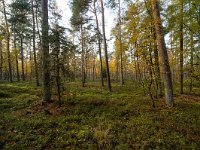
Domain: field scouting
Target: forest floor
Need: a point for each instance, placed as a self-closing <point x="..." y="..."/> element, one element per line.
<point x="92" y="118"/>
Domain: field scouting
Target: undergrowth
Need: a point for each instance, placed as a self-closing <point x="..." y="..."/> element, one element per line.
<point x="92" y="118"/>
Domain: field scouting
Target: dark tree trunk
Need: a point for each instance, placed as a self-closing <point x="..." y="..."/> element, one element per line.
<point x="191" y="60"/>
<point x="93" y="69"/>
<point x="105" y="48"/>
<point x="163" y="54"/>
<point x="31" y="67"/>
<point x="16" y="57"/>
<point x="1" y="60"/>
<point x="181" y="47"/>
<point x="45" y="52"/>
<point x="58" y="66"/>
<point x="22" y="57"/>
<point x="8" y="43"/>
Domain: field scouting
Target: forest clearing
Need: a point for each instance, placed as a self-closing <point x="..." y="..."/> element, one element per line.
<point x="99" y="74"/>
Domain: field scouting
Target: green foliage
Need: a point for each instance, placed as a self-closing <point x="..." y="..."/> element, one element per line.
<point x="79" y="9"/>
<point x="20" y="9"/>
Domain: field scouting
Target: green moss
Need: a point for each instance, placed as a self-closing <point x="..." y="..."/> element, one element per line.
<point x="92" y="118"/>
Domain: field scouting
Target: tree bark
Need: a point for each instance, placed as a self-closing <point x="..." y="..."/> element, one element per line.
<point x="163" y="54"/>
<point x="191" y="60"/>
<point x="181" y="47"/>
<point x="82" y="58"/>
<point x="1" y="60"/>
<point x="58" y="66"/>
<point x="37" y="24"/>
<point x="34" y="49"/>
<point x="105" y="48"/>
<point x="157" y="68"/>
<point x="45" y="52"/>
<point x="191" y="53"/>
<point x="16" y="57"/>
<point x="93" y="68"/>
<point x="22" y="57"/>
<point x="8" y="43"/>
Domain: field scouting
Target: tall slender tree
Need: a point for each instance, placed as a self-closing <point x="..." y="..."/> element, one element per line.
<point x="22" y="56"/>
<point x="45" y="52"/>
<point x="165" y="68"/>
<point x="78" y="19"/>
<point x="105" y="47"/>
<point x="8" y="42"/>
<point x="181" y="46"/>
<point x="16" y="55"/>
<point x="99" y="42"/>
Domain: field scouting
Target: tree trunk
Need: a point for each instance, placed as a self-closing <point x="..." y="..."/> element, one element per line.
<point x="58" y="66"/>
<point x="163" y="54"/>
<point x="16" y="57"/>
<point x="1" y="60"/>
<point x="30" y="63"/>
<point x="93" y="68"/>
<point x="191" y="60"/>
<point x="82" y="59"/>
<point x="99" y="44"/>
<point x="26" y="67"/>
<point x="34" y="50"/>
<point x="181" y="47"/>
<point x="22" y="57"/>
<point x="157" y="68"/>
<point x="136" y="71"/>
<point x="8" y="43"/>
<point x="45" y="52"/>
<point x="120" y="43"/>
<point x="105" y="48"/>
<point x="37" y="24"/>
<point x="117" y="68"/>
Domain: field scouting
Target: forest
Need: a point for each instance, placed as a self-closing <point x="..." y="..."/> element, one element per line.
<point x="99" y="74"/>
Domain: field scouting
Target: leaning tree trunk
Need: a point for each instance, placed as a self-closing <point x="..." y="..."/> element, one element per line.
<point x="45" y="52"/>
<point x="8" y="42"/>
<point x="34" y="50"/>
<point x="163" y="54"/>
<point x="157" y="68"/>
<point x="105" y="48"/>
<point x="99" y="44"/>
